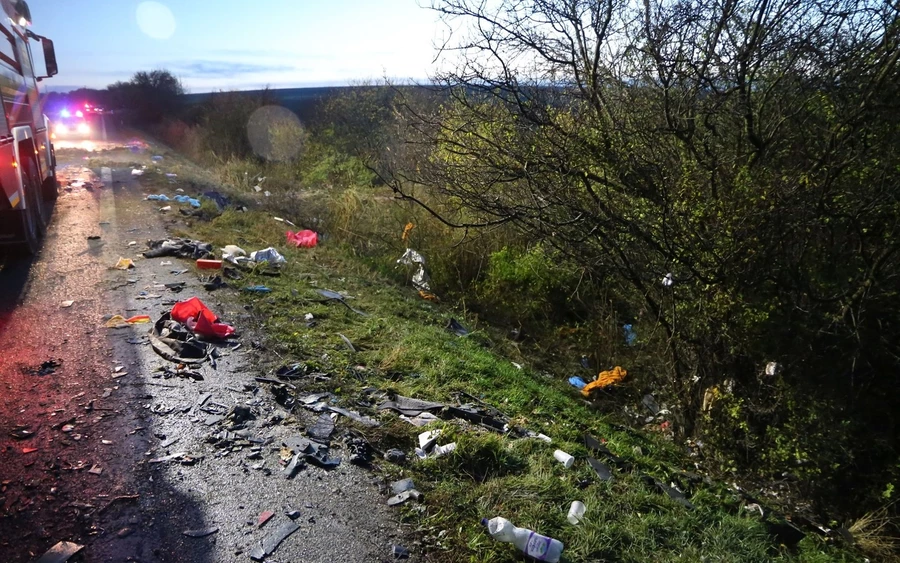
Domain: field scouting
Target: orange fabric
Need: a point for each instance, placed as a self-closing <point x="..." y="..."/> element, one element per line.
<point x="605" y="379"/>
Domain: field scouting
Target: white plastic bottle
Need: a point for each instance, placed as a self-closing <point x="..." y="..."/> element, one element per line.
<point x="530" y="543"/>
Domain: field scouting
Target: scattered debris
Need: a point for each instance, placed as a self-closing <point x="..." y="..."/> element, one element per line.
<point x="577" y="382"/>
<point x="347" y="342"/>
<point x="269" y="255"/>
<point x="21" y="433"/>
<point x="600" y="469"/>
<point x="95" y="470"/>
<point x="355" y="416"/>
<point x="198" y="318"/>
<point x="179" y="248"/>
<point x="605" y="379"/>
<point x="650" y="402"/>
<point x="456" y="328"/>
<point x="567" y="460"/>
<point x="773" y="369"/>
<point x="400" y="498"/>
<point x="400" y="552"/>
<point x="630" y="334"/>
<point x="335" y="296"/>
<point x="47" y="367"/>
<point x="118" y="321"/>
<point x="172" y="341"/>
<point x="264" y="517"/>
<point x="201" y="533"/>
<point x="60" y="553"/>
<point x="420" y="279"/>
<point x="273" y="540"/>
<point x="124" y="264"/>
<point x="207" y="264"/>
<point x="395" y="456"/>
<point x="302" y="239"/>
<point x="322" y="429"/>
<point x="258" y="289"/>
<point x="576" y="512"/>
<point x="66" y="304"/>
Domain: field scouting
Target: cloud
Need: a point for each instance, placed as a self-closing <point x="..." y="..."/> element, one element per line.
<point x="224" y="69"/>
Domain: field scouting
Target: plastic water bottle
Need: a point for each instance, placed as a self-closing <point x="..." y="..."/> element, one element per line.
<point x="530" y="543"/>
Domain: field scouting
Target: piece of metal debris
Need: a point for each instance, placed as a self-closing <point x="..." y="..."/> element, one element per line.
<point x="60" y="553"/>
<point x="271" y="542"/>
<point x="202" y="533"/>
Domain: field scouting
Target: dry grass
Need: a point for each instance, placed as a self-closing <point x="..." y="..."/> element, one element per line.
<point x="876" y="535"/>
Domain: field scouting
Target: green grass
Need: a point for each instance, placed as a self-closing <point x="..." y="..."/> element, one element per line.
<point x="403" y="347"/>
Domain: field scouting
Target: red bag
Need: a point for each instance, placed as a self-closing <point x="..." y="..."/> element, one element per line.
<point x="197" y="317"/>
<point x="302" y="239"/>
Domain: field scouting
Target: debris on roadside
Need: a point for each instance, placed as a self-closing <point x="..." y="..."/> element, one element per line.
<point x="158" y="197"/>
<point x="66" y="304"/>
<point x="335" y="296"/>
<point x="174" y="342"/>
<point x="269" y="255"/>
<point x="201" y="533"/>
<point x="399" y="552"/>
<point x="213" y="283"/>
<point x="482" y="414"/>
<point x="271" y="542"/>
<point x="179" y="248"/>
<point x="124" y="264"/>
<point x="395" y="456"/>
<point x="60" y="553"/>
<point x="566" y="459"/>
<point x="118" y="321"/>
<point x="199" y="319"/>
<point x="258" y="289"/>
<point x="207" y="264"/>
<point x="403" y="490"/>
<point x="420" y="279"/>
<point x="605" y="379"/>
<point x="302" y="239"/>
<point x="264" y="517"/>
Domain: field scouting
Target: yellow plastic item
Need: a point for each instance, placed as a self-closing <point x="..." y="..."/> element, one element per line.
<point x="605" y="379"/>
<point x="124" y="264"/>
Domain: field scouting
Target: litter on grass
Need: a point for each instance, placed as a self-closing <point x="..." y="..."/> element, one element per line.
<point x="269" y="255"/>
<point x="302" y="239"/>
<point x="605" y="379"/>
<point x="420" y="279"/>
<point x="180" y="248"/>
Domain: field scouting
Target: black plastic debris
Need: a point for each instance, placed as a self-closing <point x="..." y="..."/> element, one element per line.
<point x="456" y="328"/>
<point x="175" y="287"/>
<point x="480" y="414"/>
<point x="322" y="429"/>
<point x="674" y="494"/>
<point x="174" y="342"/>
<point x="355" y="416"/>
<point x="201" y="533"/>
<point x="46" y="368"/>
<point x="335" y="296"/>
<point x="400" y="552"/>
<point x="21" y="433"/>
<point x="273" y="540"/>
<point x="601" y="470"/>
<point x="650" y="402"/>
<point x="395" y="456"/>
<point x="294" y="466"/>
<point x="180" y="248"/>
<point x="60" y="553"/>
<point x="291" y="371"/>
<point x="360" y="450"/>
<point x="221" y="201"/>
<point x="785" y="532"/>
<point x="586" y="362"/>
<point x="410" y="406"/>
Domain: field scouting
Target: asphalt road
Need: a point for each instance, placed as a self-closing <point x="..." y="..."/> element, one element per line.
<point x="85" y="411"/>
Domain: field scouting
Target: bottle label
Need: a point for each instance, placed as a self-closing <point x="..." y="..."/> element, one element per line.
<point x="538" y="546"/>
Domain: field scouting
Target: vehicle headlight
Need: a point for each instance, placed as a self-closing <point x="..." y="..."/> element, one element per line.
<point x="83" y="128"/>
<point x="61" y="129"/>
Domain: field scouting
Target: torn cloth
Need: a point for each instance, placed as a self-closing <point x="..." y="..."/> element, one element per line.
<point x="605" y="379"/>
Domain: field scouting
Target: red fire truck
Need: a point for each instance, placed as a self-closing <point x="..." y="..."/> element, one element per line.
<point x="27" y="160"/>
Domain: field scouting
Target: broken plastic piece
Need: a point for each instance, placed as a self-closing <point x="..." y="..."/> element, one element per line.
<point x="258" y="289"/>
<point x="456" y="328"/>
<point x="60" y="553"/>
<point x="202" y="533"/>
<point x="577" y="382"/>
<point x="273" y="540"/>
<point x="206" y="264"/>
<point x="400" y="552"/>
<point x="600" y="469"/>
<point x="302" y="239"/>
<point x="200" y="319"/>
<point x="264" y="517"/>
<point x="322" y="429"/>
<point x="124" y="264"/>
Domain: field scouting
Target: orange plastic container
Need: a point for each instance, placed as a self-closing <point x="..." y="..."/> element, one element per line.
<point x="209" y="264"/>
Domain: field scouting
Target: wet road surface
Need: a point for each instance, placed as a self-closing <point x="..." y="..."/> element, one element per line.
<point x="86" y="413"/>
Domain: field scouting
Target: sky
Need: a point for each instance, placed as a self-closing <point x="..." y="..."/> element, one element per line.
<point x="238" y="44"/>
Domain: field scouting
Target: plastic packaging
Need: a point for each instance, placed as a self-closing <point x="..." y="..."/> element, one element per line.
<point x="576" y="512"/>
<point x="205" y="264"/>
<point x="530" y="543"/>
<point x="302" y="239"/>
<point x="564" y="458"/>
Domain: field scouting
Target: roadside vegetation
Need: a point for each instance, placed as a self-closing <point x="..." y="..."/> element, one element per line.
<point x="720" y="177"/>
